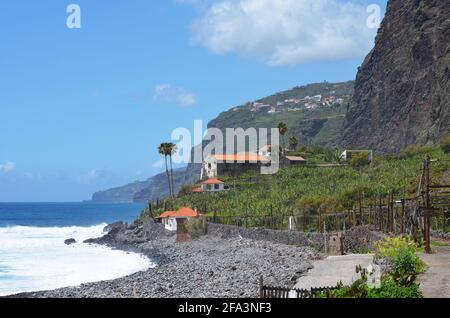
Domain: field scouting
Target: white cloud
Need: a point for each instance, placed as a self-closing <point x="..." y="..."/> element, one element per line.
<point x="285" y="32"/>
<point x="7" y="167"/>
<point x="170" y="93"/>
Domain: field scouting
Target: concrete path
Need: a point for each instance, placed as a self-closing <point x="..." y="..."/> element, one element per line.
<point x="330" y="271"/>
<point x="435" y="282"/>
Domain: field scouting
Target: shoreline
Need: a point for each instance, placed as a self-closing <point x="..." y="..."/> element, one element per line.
<point x="217" y="265"/>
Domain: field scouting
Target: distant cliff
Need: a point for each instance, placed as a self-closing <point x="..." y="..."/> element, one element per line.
<point x="402" y="90"/>
<point x="154" y="188"/>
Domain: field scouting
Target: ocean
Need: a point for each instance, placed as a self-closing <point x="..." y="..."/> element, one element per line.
<point x="33" y="255"/>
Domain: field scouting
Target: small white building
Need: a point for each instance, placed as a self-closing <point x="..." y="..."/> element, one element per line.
<point x="213" y="185"/>
<point x="171" y="219"/>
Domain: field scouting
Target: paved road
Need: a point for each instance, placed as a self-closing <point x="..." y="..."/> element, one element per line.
<point x="332" y="270"/>
<point x="435" y="282"/>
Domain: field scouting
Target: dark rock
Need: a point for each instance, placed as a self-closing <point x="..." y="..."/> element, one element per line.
<point x="70" y="241"/>
<point x="402" y="90"/>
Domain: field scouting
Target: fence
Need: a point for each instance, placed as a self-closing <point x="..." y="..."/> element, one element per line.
<point x="388" y="216"/>
<point x="280" y="292"/>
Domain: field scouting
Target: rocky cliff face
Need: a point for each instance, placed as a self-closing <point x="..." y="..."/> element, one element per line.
<point x="402" y="90"/>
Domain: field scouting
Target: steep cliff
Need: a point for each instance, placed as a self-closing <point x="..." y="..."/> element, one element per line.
<point x="402" y="90"/>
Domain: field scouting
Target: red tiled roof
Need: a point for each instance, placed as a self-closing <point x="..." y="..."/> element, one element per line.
<point x="213" y="181"/>
<point x="183" y="212"/>
<point x="167" y="214"/>
<point x="247" y="156"/>
<point x="197" y="190"/>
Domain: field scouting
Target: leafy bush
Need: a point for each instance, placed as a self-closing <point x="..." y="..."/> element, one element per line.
<point x="405" y="268"/>
<point x="390" y="247"/>
<point x="401" y="254"/>
<point x="359" y="160"/>
<point x="390" y="289"/>
<point x="195" y="227"/>
<point x="445" y="144"/>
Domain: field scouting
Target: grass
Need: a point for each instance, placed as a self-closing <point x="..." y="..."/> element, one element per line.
<point x="438" y="244"/>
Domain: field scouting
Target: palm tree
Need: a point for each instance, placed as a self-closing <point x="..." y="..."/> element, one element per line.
<point x="283" y="130"/>
<point x="171" y="150"/>
<point x="162" y="150"/>
<point x="293" y="143"/>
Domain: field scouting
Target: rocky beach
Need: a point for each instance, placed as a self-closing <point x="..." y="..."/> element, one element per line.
<point x="227" y="262"/>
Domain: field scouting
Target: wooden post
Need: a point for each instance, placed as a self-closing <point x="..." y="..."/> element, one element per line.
<point x="403" y="217"/>
<point x="319" y="223"/>
<point x="381" y="214"/>
<point x="261" y="287"/>
<point x="427" y="204"/>
<point x="444" y="227"/>
<point x="360" y="212"/>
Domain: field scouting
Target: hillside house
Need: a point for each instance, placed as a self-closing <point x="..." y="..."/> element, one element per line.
<point x="215" y="165"/>
<point x="213" y="185"/>
<point x="172" y="219"/>
<point x="347" y="154"/>
<point x="289" y="161"/>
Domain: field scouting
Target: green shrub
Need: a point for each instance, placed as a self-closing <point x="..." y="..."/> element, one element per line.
<point x="390" y="289"/>
<point x="359" y="160"/>
<point x="445" y="144"/>
<point x="405" y="268"/>
<point x="401" y="254"/>
<point x="390" y="247"/>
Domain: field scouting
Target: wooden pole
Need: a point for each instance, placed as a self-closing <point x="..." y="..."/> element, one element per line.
<point x="427" y="204"/>
<point x="403" y="217"/>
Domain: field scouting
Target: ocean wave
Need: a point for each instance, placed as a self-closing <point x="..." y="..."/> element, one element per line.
<point x="36" y="258"/>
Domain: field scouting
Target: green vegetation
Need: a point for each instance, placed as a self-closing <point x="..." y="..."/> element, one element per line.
<point x="319" y="127"/>
<point x="399" y="282"/>
<point x="306" y="189"/>
<point x="445" y="144"/>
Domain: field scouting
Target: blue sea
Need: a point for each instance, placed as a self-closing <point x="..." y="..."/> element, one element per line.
<point x="33" y="255"/>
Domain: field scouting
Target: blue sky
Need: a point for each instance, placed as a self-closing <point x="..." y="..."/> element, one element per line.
<point x="84" y="109"/>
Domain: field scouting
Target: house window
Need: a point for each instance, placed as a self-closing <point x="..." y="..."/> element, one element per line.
<point x="210" y="187"/>
<point x="216" y="186"/>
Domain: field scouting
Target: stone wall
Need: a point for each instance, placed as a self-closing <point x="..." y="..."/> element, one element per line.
<point x="315" y="240"/>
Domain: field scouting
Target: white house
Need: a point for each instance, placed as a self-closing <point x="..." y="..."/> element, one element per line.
<point x="171" y="219"/>
<point x="218" y="164"/>
<point x="213" y="185"/>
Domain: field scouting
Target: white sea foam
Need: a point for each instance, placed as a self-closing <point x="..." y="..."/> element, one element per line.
<point x="36" y="258"/>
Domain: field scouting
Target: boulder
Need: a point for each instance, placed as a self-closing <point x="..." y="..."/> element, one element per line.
<point x="70" y="241"/>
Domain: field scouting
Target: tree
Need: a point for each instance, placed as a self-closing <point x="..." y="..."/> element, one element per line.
<point x="293" y="143"/>
<point x="171" y="150"/>
<point x="163" y="150"/>
<point x="282" y="128"/>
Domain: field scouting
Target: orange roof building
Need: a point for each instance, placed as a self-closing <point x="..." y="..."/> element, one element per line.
<point x="218" y="164"/>
<point x="170" y="219"/>
<point x="212" y="181"/>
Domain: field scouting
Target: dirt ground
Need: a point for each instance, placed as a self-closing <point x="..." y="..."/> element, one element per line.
<point x="435" y="282"/>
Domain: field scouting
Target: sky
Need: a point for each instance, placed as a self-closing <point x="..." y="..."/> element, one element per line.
<point x="84" y="106"/>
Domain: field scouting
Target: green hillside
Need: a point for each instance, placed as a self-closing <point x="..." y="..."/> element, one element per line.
<point x="312" y="120"/>
<point x="307" y="189"/>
